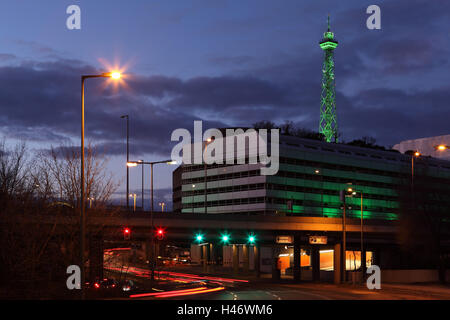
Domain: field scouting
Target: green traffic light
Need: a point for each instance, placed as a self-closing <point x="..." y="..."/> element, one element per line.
<point x="225" y="238"/>
<point x="199" y="237"/>
<point x="251" y="239"/>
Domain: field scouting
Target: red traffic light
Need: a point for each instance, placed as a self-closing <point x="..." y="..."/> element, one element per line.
<point x="126" y="233"/>
<point x="160" y="233"/>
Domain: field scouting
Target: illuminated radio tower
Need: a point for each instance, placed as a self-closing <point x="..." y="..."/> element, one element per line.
<point x="328" y="118"/>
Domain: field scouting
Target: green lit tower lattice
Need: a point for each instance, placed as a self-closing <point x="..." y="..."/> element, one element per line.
<point x="328" y="118"/>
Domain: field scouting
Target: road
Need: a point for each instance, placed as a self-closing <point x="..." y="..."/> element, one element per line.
<point x="318" y="291"/>
<point x="201" y="286"/>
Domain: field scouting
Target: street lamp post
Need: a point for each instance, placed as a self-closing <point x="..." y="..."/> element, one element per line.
<point x="415" y="155"/>
<point x="134" y="201"/>
<point x="141" y="162"/>
<point x="162" y="204"/>
<point x="318" y="172"/>
<point x="192" y="202"/>
<point x="209" y="140"/>
<point x="363" y="256"/>
<point x="344" y="243"/>
<point x="128" y="169"/>
<point x="114" y="75"/>
<point x="142" y="185"/>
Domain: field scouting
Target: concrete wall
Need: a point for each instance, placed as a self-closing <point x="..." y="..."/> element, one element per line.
<point x="196" y="254"/>
<point x="411" y="276"/>
<point x="426" y="146"/>
<point x="266" y="259"/>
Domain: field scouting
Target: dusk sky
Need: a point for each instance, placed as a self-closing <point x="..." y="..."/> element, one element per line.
<point x="228" y="63"/>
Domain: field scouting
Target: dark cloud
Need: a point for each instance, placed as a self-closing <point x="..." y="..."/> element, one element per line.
<point x="7" y="57"/>
<point x="232" y="61"/>
<point x="41" y="101"/>
<point x="390" y="83"/>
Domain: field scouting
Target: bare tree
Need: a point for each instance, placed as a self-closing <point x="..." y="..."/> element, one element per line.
<point x="12" y="169"/>
<point x="59" y="171"/>
<point x="39" y="210"/>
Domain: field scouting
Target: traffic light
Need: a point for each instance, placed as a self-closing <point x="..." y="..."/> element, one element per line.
<point x="126" y="233"/>
<point x="199" y="237"/>
<point x="160" y="233"/>
<point x="251" y="239"/>
<point x="225" y="238"/>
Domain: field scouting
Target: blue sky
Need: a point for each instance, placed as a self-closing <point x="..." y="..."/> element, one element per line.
<point x="229" y="63"/>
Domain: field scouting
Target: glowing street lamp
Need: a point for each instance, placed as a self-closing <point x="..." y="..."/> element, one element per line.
<point x="113" y="75"/>
<point x="442" y="147"/>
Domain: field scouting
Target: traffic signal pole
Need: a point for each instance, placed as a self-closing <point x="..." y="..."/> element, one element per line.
<point x="343" y="255"/>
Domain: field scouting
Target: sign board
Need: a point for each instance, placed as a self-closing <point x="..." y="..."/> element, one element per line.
<point x="284" y="239"/>
<point x="318" y="239"/>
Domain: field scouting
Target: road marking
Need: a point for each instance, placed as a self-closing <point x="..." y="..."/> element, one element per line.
<point x="235" y="297"/>
<point x="305" y="293"/>
<point x="274" y="295"/>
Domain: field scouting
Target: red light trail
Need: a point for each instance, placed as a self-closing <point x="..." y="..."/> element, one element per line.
<point x="176" y="293"/>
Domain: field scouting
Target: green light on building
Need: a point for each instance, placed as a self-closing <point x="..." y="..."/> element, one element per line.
<point x="328" y="118"/>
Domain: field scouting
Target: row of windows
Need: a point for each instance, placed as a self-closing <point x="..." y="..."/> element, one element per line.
<point x="281" y="201"/>
<point x="281" y="187"/>
<point x="322" y="178"/>
<point x="229" y="202"/>
<point x="302" y="162"/>
<point x="244" y="187"/>
<point x="316" y="165"/>
<point x="234" y="175"/>
<point x="287" y="174"/>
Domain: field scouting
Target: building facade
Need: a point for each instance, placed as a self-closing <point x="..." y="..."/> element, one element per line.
<point x="427" y="146"/>
<point x="310" y="177"/>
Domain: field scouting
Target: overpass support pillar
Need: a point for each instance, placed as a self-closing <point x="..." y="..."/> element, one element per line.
<point x="205" y="257"/>
<point x="148" y="251"/>
<point x="276" y="272"/>
<point x="235" y="259"/>
<point x="337" y="263"/>
<point x="95" y="257"/>
<point x="246" y="255"/>
<point x="315" y="261"/>
<point x="363" y="265"/>
<point x="297" y="258"/>
<point x="211" y="257"/>
<point x="257" y="260"/>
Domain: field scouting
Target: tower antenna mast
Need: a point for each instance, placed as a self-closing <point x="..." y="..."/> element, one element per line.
<point x="328" y="117"/>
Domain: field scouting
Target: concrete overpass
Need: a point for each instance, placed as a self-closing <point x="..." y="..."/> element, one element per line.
<point x="181" y="228"/>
